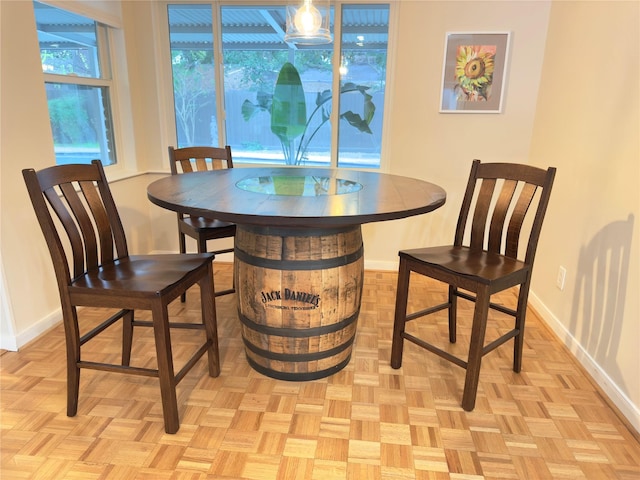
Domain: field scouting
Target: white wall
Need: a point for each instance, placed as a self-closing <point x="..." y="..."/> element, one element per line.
<point x="580" y="117"/>
<point x="25" y="141"/>
<point x="587" y="125"/>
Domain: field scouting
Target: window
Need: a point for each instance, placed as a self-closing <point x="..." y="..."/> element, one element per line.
<point x="77" y="74"/>
<point x="193" y="71"/>
<point x="254" y="56"/>
<point x="363" y="72"/>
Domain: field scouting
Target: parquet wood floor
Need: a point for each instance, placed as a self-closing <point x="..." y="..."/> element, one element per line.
<point x="366" y="422"/>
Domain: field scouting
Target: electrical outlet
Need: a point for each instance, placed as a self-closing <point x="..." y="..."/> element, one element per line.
<point x="562" y="275"/>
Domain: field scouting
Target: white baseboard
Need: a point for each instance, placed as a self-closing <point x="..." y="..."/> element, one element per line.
<point x="608" y="386"/>
<point x="37" y="329"/>
<point x="221" y="257"/>
<point x="9" y="342"/>
<point x="224" y="257"/>
<point x="368" y="264"/>
<point x="379" y="265"/>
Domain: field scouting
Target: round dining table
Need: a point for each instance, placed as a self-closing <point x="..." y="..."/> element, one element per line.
<point x="298" y="252"/>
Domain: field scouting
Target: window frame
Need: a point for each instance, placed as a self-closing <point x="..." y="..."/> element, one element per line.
<point x="111" y="51"/>
<point x="165" y="71"/>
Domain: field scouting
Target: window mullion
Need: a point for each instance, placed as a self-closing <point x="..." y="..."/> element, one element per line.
<point x="103" y="52"/>
<point x="218" y="66"/>
<point x="335" y="87"/>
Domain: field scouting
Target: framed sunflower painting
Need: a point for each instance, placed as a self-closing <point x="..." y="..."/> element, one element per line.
<point x="473" y="75"/>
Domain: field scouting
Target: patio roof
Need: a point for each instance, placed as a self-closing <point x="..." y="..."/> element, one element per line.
<point x="243" y="27"/>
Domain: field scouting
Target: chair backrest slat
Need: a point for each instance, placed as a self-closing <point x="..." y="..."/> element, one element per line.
<point x="74" y="238"/>
<point x="481" y="214"/>
<point x="101" y="219"/>
<point x="504" y="193"/>
<point x="81" y="216"/>
<point x="201" y="164"/>
<point x="517" y="219"/>
<point x="185" y="165"/>
<point x="500" y="214"/>
<point x="218" y="164"/>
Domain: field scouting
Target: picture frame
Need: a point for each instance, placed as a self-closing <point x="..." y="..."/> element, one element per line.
<point x="474" y="72"/>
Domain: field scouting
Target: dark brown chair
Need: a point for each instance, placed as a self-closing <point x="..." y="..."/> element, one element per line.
<point x="100" y="273"/>
<point x="198" y="159"/>
<point x="487" y="265"/>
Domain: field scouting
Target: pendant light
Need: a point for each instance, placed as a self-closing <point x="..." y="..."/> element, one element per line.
<point x="308" y="23"/>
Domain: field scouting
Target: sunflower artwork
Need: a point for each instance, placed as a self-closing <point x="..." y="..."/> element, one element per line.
<point x="474" y="72"/>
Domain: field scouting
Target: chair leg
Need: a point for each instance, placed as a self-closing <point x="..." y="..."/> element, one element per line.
<point x="202" y="245"/>
<point x="183" y="242"/>
<point x="72" y="335"/>
<point x="402" y="296"/>
<point x="521" y="313"/>
<point x="476" y="346"/>
<point x="127" y="337"/>
<point x="453" y="314"/>
<point x="165" y="367"/>
<point x="209" y="319"/>
<point x="183" y="249"/>
<point x="73" y="388"/>
<point x="227" y="291"/>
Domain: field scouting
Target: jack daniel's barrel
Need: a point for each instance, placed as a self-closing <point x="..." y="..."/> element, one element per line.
<point x="298" y="298"/>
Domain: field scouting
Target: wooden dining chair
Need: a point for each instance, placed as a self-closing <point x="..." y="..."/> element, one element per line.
<point x="198" y="159"/>
<point x="78" y="216"/>
<point x="482" y="261"/>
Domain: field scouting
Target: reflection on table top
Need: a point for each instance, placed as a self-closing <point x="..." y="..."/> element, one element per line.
<point x="298" y="186"/>
<point x="350" y="196"/>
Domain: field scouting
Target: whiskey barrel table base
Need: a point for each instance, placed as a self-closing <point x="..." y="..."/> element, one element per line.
<point x="299" y="294"/>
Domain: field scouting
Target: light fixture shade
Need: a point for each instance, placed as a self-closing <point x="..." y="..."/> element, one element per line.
<point x="308" y="22"/>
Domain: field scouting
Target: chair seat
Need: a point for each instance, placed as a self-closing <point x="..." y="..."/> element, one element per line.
<point x="202" y="223"/>
<point x="482" y="266"/>
<point x="140" y="275"/>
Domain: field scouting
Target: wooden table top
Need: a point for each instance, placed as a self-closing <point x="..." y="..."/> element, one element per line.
<point x="223" y="194"/>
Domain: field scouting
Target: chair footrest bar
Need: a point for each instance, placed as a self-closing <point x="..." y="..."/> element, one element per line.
<point x="427" y="311"/>
<point x="226" y="250"/>
<point x="224" y="292"/>
<point x="503" y="309"/>
<point x="102" y="327"/>
<point x="185" y="325"/>
<point x="495" y="306"/>
<point x="436" y="350"/>
<point x="107" y="367"/>
<point x="499" y="341"/>
<point x="192" y="361"/>
<point x="188" y="326"/>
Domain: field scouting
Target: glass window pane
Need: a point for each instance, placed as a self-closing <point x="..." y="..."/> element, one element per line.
<point x="72" y="46"/>
<point x="363" y="69"/>
<point x="81" y="123"/>
<point x="254" y="54"/>
<point x="192" y="64"/>
<point x="68" y="44"/>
